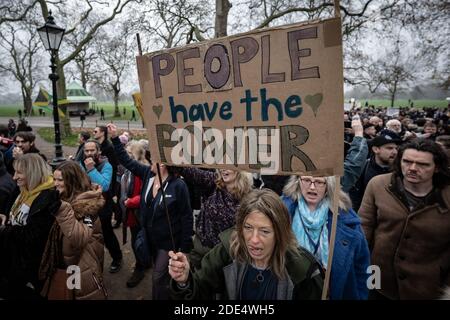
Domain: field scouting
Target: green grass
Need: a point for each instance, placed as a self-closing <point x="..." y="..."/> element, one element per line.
<point x="109" y="110"/>
<point x="11" y="110"/>
<point x="404" y="103"/>
<point x="48" y="134"/>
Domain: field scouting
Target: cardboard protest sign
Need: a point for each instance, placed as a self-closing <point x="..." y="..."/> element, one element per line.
<point x="268" y="100"/>
<point x="391" y="112"/>
<point x="348" y="106"/>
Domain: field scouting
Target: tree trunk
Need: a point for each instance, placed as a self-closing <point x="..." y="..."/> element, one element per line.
<point x="62" y="95"/>
<point x="116" y="101"/>
<point x="393" y="92"/>
<point x="83" y="79"/>
<point x="27" y="100"/>
<point x="222" y="9"/>
<point x="28" y="105"/>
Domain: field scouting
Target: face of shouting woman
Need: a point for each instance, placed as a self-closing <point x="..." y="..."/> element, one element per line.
<point x="228" y="176"/>
<point x="313" y="190"/>
<point x="259" y="237"/>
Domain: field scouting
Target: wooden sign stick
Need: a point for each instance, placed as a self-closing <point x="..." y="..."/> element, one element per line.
<point x="335" y="211"/>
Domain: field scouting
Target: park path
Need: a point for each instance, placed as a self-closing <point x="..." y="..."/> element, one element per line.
<point x="115" y="283"/>
<point x="48" y="149"/>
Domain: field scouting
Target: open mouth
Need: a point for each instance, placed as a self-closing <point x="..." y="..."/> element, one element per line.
<point x="225" y="175"/>
<point x="255" y="251"/>
<point x="312" y="194"/>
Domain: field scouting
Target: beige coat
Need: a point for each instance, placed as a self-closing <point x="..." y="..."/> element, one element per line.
<point x="83" y="243"/>
<point x="412" y="249"/>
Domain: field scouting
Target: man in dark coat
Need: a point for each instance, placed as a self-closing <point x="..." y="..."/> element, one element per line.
<point x="406" y="219"/>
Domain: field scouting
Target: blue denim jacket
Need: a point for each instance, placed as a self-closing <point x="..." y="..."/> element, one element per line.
<point x="351" y="255"/>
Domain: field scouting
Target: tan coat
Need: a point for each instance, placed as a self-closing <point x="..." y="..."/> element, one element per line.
<point x="83" y="244"/>
<point x="412" y="249"/>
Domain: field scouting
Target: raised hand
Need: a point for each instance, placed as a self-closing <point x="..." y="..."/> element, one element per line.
<point x="89" y="163"/>
<point x="357" y="126"/>
<point x="17" y="152"/>
<point x="112" y="130"/>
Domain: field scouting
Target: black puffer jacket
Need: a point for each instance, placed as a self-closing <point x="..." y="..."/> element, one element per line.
<point x="21" y="247"/>
<point x="8" y="190"/>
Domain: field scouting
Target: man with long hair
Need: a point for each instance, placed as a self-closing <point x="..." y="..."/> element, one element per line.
<point x="406" y="218"/>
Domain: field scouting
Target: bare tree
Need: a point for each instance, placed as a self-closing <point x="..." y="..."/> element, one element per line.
<point x="87" y="23"/>
<point x="20" y="44"/>
<point x="116" y="56"/>
<point x="85" y="61"/>
<point x="170" y="23"/>
<point x="395" y="72"/>
<point x="13" y="11"/>
<point x="83" y="66"/>
<point x="429" y="23"/>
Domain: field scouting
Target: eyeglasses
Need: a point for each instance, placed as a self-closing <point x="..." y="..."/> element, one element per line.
<point x="317" y="183"/>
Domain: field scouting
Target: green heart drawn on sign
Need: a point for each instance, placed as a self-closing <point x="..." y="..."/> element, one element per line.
<point x="157" y="109"/>
<point x="314" y="101"/>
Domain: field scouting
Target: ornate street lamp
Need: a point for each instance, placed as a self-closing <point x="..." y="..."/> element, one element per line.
<point x="51" y="35"/>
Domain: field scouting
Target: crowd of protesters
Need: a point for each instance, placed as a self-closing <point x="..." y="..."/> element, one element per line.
<point x="248" y="242"/>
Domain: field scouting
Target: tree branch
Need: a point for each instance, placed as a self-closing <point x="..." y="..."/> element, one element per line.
<point x="20" y="17"/>
<point x="274" y="16"/>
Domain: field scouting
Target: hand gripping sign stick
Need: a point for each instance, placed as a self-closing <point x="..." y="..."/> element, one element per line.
<point x="165" y="207"/>
<point x="335" y="208"/>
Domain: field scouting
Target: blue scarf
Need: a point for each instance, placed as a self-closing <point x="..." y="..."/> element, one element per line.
<point x="310" y="229"/>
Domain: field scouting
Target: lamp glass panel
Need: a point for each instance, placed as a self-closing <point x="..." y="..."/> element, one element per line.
<point x="43" y="34"/>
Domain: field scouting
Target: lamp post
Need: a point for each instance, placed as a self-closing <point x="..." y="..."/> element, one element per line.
<point x="51" y="35"/>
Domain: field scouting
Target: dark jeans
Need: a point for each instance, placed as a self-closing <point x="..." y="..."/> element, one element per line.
<point x="161" y="277"/>
<point x="134" y="231"/>
<point x="111" y="242"/>
<point x="118" y="213"/>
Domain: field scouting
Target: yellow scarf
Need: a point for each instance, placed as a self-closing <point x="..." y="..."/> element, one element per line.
<point x="27" y="197"/>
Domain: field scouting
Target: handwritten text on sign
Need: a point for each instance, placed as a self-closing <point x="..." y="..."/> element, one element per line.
<point x="269" y="100"/>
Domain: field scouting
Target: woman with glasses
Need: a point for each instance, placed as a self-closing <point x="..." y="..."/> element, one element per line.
<point x="309" y="200"/>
